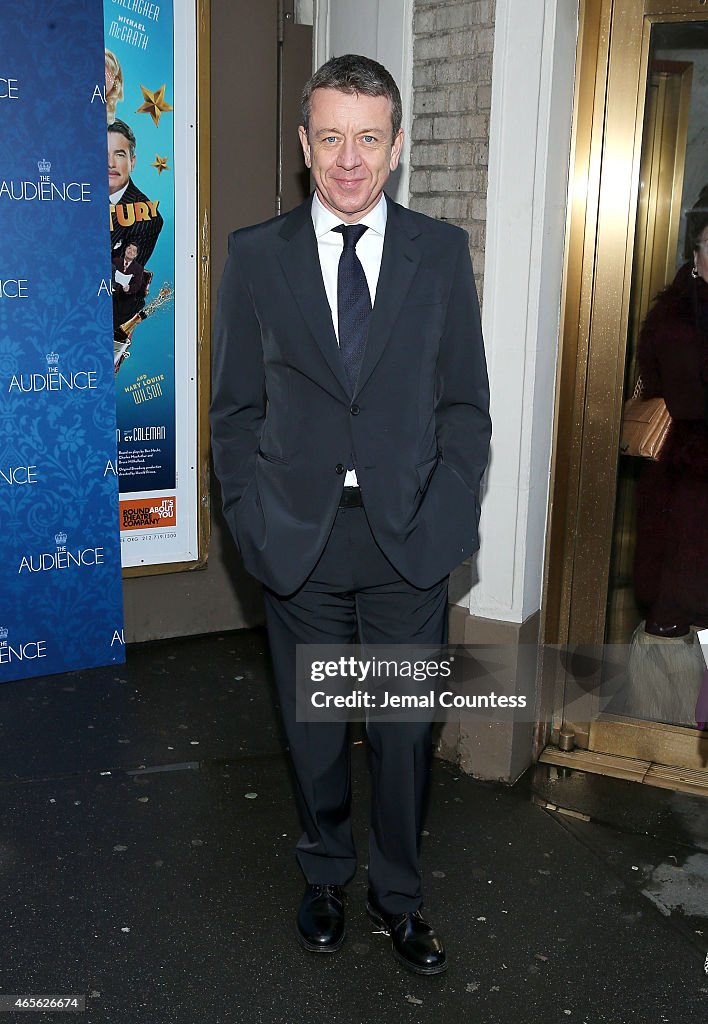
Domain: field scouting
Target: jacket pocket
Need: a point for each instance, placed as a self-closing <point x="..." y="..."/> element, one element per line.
<point x="269" y="457"/>
<point x="425" y="470"/>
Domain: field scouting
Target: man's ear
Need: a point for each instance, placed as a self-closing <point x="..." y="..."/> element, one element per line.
<point x="396" y="150"/>
<point x="305" y="143"/>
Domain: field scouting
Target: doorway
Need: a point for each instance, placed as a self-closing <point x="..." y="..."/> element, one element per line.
<point x="626" y="590"/>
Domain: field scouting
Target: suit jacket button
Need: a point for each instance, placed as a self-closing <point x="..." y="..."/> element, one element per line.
<point x="339" y="468"/>
<point x="354" y="410"/>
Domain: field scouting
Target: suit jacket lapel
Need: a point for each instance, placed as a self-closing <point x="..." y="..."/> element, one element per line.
<point x="301" y="265"/>
<point x="398" y="267"/>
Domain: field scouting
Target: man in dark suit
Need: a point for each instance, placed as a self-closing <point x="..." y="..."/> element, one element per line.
<point x="350" y="432"/>
<point x="128" y="295"/>
<point x="134" y="217"/>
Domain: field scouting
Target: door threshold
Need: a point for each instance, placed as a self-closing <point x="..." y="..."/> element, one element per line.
<point x="655" y="742"/>
<point x="649" y="773"/>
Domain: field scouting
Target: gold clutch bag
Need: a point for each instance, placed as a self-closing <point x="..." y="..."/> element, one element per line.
<point x="645" y="425"/>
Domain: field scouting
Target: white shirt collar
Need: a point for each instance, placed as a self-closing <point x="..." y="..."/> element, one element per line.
<point x="116" y="197"/>
<point x="324" y="220"/>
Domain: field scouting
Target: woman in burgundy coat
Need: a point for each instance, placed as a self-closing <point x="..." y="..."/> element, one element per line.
<point x="671" y="565"/>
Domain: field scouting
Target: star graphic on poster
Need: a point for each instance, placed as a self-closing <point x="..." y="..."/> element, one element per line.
<point x="154" y="104"/>
<point x="160" y="163"/>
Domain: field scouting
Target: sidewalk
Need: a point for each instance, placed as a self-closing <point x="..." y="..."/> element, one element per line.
<point x="146" y="857"/>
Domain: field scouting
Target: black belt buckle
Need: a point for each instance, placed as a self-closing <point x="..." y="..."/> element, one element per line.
<point x="351" y="498"/>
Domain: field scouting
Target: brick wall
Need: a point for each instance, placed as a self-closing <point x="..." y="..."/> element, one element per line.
<point x="452" y="75"/>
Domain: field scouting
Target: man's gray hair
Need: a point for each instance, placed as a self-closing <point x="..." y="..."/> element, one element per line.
<point x="354" y="74"/>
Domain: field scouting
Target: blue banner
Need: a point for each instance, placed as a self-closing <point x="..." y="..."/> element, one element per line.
<point x="60" y="575"/>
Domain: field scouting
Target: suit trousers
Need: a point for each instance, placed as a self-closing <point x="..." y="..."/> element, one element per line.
<point x="355" y="591"/>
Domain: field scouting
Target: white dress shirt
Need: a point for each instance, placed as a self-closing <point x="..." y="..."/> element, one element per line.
<point x="369" y="250"/>
<point x="116" y="197"/>
<point x="113" y="201"/>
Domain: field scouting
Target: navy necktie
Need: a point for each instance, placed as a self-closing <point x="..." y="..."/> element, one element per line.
<point x="353" y="303"/>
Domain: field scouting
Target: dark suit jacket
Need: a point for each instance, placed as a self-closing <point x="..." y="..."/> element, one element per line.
<point x="143" y="233"/>
<point x="284" y="422"/>
<point x="127" y="304"/>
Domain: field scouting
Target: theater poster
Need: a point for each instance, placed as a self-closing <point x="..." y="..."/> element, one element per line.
<point x="151" y="102"/>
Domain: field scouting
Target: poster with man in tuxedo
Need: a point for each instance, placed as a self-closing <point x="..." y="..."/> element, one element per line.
<point x="134" y="217"/>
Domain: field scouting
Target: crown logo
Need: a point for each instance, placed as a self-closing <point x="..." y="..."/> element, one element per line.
<point x="3" y="632"/>
<point x="52" y="358"/>
<point x="44" y="166"/>
<point x="60" y="538"/>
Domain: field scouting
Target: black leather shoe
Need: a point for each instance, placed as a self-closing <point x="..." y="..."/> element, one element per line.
<point x="320" y="919"/>
<point x="414" y="941"/>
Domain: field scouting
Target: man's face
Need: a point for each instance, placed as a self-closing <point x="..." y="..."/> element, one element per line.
<point x="350" y="150"/>
<point x="131" y="251"/>
<point x="120" y="162"/>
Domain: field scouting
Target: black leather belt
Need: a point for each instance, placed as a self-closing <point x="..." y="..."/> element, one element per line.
<point x="351" y="498"/>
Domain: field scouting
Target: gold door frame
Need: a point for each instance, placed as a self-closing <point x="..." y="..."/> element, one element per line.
<point x="612" y="61"/>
